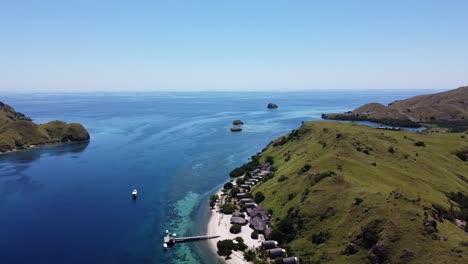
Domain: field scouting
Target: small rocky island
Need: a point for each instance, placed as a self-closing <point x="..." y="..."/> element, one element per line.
<point x="17" y="131"/>
<point x="237" y="125"/>
<point x="236" y="129"/>
<point x="272" y="106"/>
<point x="237" y="122"/>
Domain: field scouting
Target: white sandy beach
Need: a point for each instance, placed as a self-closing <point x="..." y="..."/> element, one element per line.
<point x="219" y="224"/>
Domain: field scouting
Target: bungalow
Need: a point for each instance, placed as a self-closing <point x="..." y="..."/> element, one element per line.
<point x="259" y="212"/>
<point x="246" y="200"/>
<point x="250" y="205"/>
<point x="246" y="186"/>
<point x="291" y="260"/>
<point x="269" y="244"/>
<point x="253" y="180"/>
<point x="241" y="195"/>
<point x="235" y="220"/>
<point x="256" y="171"/>
<point x="238" y="214"/>
<point x="258" y="224"/>
<point x="276" y="252"/>
<point x="258" y="177"/>
<point x="265" y="166"/>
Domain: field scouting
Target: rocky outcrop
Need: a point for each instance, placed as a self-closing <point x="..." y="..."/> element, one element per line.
<point x="236" y="129"/>
<point x="17" y="131"/>
<point x="272" y="106"/>
<point x="379" y="253"/>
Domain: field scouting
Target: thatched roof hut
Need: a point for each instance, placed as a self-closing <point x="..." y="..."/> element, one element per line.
<point x="265" y="166"/>
<point x="276" y="252"/>
<point x="250" y="205"/>
<point x="258" y="224"/>
<point x="245" y="186"/>
<point x="291" y="260"/>
<point x="246" y="200"/>
<point x="238" y="214"/>
<point x="238" y="220"/>
<point x="260" y="212"/>
<point x="269" y="244"/>
<point x="241" y="195"/>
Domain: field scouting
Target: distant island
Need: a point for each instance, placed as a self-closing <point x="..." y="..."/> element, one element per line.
<point x="447" y="109"/>
<point x="272" y="106"/>
<point x="17" y="131"/>
<point x="237" y="122"/>
<point x="236" y="129"/>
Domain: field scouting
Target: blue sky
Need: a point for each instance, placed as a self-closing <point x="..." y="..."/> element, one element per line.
<point x="232" y="45"/>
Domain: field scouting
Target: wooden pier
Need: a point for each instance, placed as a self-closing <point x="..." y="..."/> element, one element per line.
<point x="171" y="240"/>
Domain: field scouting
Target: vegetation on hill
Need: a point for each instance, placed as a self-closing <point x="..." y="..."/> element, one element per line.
<point x="446" y="109"/>
<point x="344" y="193"/>
<point x="17" y="131"/>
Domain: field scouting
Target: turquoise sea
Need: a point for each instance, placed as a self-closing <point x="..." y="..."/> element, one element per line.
<point x="72" y="203"/>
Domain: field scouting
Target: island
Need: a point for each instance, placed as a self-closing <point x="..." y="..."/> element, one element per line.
<point x="237" y="122"/>
<point x="447" y="109"/>
<point x="236" y="129"/>
<point x="18" y="132"/>
<point x="334" y="192"/>
<point x="272" y="106"/>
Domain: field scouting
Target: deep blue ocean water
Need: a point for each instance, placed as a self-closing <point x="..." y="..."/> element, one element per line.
<point x="72" y="203"/>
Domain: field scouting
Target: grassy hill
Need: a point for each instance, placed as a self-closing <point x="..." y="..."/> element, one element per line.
<point x="446" y="109"/>
<point x="344" y="193"/>
<point x="17" y="131"/>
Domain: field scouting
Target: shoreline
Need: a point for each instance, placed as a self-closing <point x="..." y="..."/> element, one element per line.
<point x="218" y="225"/>
<point x="43" y="146"/>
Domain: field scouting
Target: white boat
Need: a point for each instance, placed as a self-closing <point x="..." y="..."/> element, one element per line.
<point x="134" y="194"/>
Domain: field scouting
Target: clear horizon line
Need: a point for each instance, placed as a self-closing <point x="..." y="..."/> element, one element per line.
<point x="221" y="91"/>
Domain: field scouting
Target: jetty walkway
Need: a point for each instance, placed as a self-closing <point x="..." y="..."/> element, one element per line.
<point x="170" y="240"/>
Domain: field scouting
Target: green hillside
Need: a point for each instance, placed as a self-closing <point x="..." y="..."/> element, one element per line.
<point x="368" y="196"/>
<point x="17" y="131"/>
<point x="447" y="109"/>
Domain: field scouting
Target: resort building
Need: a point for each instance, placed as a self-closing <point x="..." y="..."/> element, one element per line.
<point x="235" y="220"/>
<point x="250" y="205"/>
<point x="269" y="244"/>
<point x="246" y="200"/>
<point x="291" y="260"/>
<point x="261" y="213"/>
<point x="276" y="252"/>
<point x="258" y="224"/>
<point x="242" y="195"/>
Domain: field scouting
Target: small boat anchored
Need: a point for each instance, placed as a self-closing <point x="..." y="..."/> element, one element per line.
<point x="134" y="194"/>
